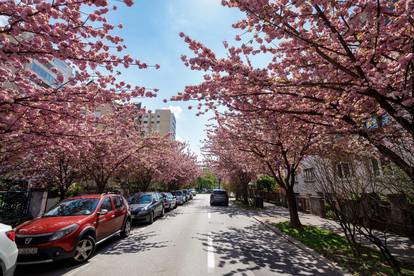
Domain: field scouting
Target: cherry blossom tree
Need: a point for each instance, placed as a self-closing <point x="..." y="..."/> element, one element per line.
<point x="180" y="168"/>
<point x="279" y="143"/>
<point x="161" y="161"/>
<point x="230" y="161"/>
<point x="54" y="165"/>
<point x="45" y="34"/>
<point x="342" y="65"/>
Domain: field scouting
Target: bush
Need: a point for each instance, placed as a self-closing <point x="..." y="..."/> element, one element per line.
<point x="75" y="189"/>
<point x="266" y="183"/>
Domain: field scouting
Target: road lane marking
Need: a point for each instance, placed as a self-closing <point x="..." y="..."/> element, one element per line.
<point x="209" y="215"/>
<point x="210" y="254"/>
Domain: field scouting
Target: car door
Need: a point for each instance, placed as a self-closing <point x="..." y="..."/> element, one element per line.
<point x="120" y="211"/>
<point x="105" y="224"/>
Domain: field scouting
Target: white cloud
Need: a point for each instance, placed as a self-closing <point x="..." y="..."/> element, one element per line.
<point x="177" y="110"/>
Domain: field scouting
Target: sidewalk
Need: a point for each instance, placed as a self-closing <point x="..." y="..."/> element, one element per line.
<point x="401" y="247"/>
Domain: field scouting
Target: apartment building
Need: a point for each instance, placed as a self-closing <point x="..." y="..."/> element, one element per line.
<point x="161" y="122"/>
<point x="46" y="74"/>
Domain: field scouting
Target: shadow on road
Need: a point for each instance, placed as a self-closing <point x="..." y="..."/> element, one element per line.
<point x="258" y="248"/>
<point x="135" y="243"/>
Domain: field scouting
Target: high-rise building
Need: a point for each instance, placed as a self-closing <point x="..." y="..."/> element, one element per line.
<point x="46" y="74"/>
<point x="161" y="122"/>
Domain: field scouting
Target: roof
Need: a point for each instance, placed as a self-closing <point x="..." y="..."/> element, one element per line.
<point x="90" y="196"/>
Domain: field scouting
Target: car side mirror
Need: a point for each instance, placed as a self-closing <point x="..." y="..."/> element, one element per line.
<point x="103" y="212"/>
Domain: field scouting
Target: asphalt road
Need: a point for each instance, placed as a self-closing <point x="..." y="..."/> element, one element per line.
<point x="195" y="239"/>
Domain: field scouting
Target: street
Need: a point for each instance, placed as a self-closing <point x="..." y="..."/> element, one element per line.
<point x="194" y="239"/>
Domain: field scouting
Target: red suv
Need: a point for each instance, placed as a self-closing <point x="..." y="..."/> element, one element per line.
<point x="73" y="228"/>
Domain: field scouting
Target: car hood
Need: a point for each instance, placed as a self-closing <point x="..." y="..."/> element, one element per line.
<point x="45" y="225"/>
<point x="138" y="206"/>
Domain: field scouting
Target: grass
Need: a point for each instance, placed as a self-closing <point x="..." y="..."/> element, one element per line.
<point x="243" y="205"/>
<point x="336" y="248"/>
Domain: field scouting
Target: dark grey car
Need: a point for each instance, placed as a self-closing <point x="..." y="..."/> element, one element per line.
<point x="146" y="206"/>
<point x="219" y="197"/>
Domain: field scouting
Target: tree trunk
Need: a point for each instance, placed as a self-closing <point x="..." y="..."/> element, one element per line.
<point x="293" y="209"/>
<point x="100" y="187"/>
<point x="246" y="193"/>
<point x="62" y="193"/>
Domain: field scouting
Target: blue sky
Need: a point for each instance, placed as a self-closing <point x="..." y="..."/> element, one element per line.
<point x="151" y="29"/>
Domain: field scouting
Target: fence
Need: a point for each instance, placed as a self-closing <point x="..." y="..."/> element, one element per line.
<point x="14" y="206"/>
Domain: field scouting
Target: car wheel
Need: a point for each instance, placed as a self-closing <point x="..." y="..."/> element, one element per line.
<point x="126" y="230"/>
<point x="162" y="212"/>
<point x="84" y="249"/>
<point x="151" y="218"/>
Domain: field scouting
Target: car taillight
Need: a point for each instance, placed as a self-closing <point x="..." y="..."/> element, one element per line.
<point x="11" y="235"/>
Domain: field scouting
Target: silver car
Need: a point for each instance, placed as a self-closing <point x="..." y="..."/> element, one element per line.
<point x="179" y="196"/>
<point x="219" y="197"/>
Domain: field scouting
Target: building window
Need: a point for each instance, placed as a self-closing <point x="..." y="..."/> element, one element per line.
<point x="43" y="74"/>
<point x="309" y="174"/>
<point x="343" y="170"/>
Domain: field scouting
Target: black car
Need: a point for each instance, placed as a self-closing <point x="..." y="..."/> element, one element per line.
<point x="170" y="202"/>
<point x="219" y="197"/>
<point x="146" y="206"/>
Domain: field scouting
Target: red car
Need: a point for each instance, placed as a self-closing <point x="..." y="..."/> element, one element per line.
<point x="73" y="228"/>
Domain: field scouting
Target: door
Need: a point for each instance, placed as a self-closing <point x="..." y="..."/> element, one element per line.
<point x="105" y="223"/>
<point x="120" y="211"/>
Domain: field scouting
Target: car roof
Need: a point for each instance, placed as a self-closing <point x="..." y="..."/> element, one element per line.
<point x="86" y="196"/>
<point x="92" y="196"/>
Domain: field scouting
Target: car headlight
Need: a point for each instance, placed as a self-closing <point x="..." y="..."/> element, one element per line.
<point x="64" y="232"/>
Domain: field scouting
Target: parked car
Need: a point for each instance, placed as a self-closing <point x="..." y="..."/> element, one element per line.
<point x="186" y="195"/>
<point x="147" y="206"/>
<point x="219" y="197"/>
<point x="8" y="250"/>
<point x="190" y="194"/>
<point x="169" y="201"/>
<point x="179" y="196"/>
<point x="193" y="191"/>
<point x="73" y="228"/>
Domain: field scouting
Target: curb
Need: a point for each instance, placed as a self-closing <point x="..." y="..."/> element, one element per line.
<point x="303" y="247"/>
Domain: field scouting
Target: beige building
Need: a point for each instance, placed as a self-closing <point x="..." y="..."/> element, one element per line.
<point x="162" y="122"/>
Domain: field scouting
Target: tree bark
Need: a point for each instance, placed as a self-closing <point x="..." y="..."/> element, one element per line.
<point x="293" y="208"/>
<point x="62" y="192"/>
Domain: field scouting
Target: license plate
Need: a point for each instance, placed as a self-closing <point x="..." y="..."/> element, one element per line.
<point x="27" y="251"/>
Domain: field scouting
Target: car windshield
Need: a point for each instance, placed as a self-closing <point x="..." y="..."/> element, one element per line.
<point x="74" y="207"/>
<point x="178" y="193"/>
<point x="219" y="192"/>
<point x="142" y="199"/>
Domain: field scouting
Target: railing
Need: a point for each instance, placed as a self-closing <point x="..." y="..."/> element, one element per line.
<point x="14" y="206"/>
